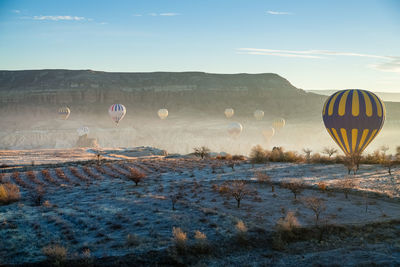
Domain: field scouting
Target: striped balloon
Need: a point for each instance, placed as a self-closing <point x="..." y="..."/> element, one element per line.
<point x="353" y="118"/>
<point x="117" y="112"/>
<point x="279" y="123"/>
<point x="64" y="112"/>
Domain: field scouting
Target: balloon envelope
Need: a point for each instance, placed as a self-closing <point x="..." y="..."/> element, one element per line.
<point x="353" y="118"/>
<point x="279" y="123"/>
<point x="163" y="113"/>
<point x="235" y="129"/>
<point x="83" y="130"/>
<point x="259" y="114"/>
<point x="229" y="112"/>
<point x="64" y="112"/>
<point x="117" y="112"/>
<point x="268" y="133"/>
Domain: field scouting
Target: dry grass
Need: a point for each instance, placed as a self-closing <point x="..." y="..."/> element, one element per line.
<point x="9" y="193"/>
<point x="18" y="180"/>
<point x="47" y="177"/>
<point x="61" y="175"/>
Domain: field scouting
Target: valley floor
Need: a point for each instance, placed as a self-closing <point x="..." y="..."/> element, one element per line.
<point x="102" y="218"/>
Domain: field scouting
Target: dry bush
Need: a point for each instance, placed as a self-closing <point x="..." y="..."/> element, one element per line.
<point x="258" y="155"/>
<point x="295" y="186"/>
<point x="241" y="232"/>
<point x="136" y="176"/>
<point x="316" y="204"/>
<point x="201" y="245"/>
<point x="346" y="185"/>
<point x="56" y="254"/>
<point x="285" y="230"/>
<point x="291" y="156"/>
<point x="322" y="186"/>
<point x="265" y="178"/>
<point x="276" y="154"/>
<point x="9" y="193"/>
<point x="180" y="239"/>
<point x="289" y="223"/>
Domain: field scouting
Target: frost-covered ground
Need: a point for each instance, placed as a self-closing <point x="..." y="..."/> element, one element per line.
<point x="97" y="211"/>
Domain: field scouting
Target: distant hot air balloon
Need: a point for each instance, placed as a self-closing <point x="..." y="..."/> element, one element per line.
<point x="268" y="133"/>
<point x="278" y="124"/>
<point x="235" y="129"/>
<point x="353" y="118"/>
<point x="229" y="112"/>
<point x="83" y="130"/>
<point x="63" y="113"/>
<point x="259" y="114"/>
<point x="117" y="112"/>
<point x="163" y="113"/>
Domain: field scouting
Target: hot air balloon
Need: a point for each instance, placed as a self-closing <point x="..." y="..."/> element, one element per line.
<point x="268" y="133"/>
<point x="229" y="112"/>
<point x="235" y="129"/>
<point x="63" y="113"/>
<point x="353" y="118"/>
<point x="117" y="112"/>
<point x="83" y="130"/>
<point x="259" y="114"/>
<point x="163" y="113"/>
<point x="278" y="124"/>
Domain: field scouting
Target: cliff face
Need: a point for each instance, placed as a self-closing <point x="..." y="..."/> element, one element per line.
<point x="90" y="91"/>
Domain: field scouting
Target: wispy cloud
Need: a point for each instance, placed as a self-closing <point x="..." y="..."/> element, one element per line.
<point x="16" y="11"/>
<point x="57" y="18"/>
<point x="169" y="14"/>
<point x="387" y="63"/>
<point x="278" y="13"/>
<point x="137" y="15"/>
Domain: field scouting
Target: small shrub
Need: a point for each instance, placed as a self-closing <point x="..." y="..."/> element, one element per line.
<point x="56" y="254"/>
<point x="288" y="223"/>
<point x="307" y="152"/>
<point x="136" y="176"/>
<point x="322" y="186"/>
<point x="238" y="157"/>
<point x="241" y="232"/>
<point x="37" y="196"/>
<point x="9" y="193"/>
<point x="201" y="245"/>
<point x="180" y="239"/>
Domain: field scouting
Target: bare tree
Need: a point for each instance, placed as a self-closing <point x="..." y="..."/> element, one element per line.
<point x="307" y="151"/>
<point x="238" y="189"/>
<point x="202" y="152"/>
<point x="295" y="186"/>
<point x="316" y="204"/>
<point x="346" y="185"/>
<point x="329" y="151"/>
<point x="389" y="162"/>
<point x="136" y="175"/>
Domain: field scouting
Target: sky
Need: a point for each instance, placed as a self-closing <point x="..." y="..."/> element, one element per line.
<point x="314" y="44"/>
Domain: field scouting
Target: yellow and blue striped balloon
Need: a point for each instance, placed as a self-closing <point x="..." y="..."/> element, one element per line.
<point x="353" y="118"/>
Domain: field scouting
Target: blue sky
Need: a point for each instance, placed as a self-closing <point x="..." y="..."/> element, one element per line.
<point x="314" y="44"/>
